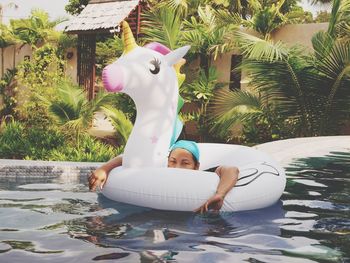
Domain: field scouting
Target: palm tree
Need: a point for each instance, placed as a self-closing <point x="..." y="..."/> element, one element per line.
<point x="73" y="110"/>
<point x="207" y="37"/>
<point x="163" y="25"/>
<point x="120" y="122"/>
<point x="311" y="90"/>
<point x="36" y="29"/>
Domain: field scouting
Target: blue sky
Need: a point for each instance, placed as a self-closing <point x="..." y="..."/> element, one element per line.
<point x="55" y="8"/>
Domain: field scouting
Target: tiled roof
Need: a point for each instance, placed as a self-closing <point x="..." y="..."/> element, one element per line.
<point x="101" y="16"/>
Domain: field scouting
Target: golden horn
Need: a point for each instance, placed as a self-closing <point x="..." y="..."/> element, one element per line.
<point x="128" y="38"/>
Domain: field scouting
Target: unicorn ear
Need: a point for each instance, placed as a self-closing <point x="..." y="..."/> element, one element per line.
<point x="174" y="56"/>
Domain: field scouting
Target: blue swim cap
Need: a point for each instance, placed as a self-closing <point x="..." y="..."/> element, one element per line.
<point x="190" y="146"/>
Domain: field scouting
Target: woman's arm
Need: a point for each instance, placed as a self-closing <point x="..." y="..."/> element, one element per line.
<point x="228" y="179"/>
<point x="100" y="175"/>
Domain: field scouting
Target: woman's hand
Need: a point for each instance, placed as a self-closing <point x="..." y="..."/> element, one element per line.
<point x="214" y="203"/>
<point x="97" y="178"/>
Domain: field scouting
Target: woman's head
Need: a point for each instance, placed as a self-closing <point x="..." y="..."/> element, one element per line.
<point x="184" y="154"/>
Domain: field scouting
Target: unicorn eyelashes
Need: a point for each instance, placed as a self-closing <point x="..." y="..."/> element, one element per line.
<point x="156" y="64"/>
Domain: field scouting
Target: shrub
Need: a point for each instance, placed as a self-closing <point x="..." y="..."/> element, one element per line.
<point x="13" y="144"/>
<point x="20" y="142"/>
<point x="89" y="150"/>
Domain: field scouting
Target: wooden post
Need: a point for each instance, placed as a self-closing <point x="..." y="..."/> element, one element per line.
<point x="86" y="62"/>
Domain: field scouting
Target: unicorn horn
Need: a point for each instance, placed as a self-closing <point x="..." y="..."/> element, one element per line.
<point x="128" y="38"/>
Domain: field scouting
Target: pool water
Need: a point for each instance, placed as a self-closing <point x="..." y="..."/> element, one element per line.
<point x="47" y="220"/>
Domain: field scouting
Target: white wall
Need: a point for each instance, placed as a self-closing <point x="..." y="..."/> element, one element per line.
<point x="289" y="34"/>
<point x="15" y="54"/>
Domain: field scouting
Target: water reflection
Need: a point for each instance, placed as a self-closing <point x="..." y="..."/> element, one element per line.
<point x="47" y="220"/>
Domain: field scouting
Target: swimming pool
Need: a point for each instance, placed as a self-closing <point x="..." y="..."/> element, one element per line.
<point x="45" y="219"/>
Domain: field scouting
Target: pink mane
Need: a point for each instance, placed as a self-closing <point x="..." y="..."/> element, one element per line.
<point x="160" y="48"/>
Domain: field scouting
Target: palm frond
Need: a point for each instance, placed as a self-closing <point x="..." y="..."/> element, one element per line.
<point x="225" y="17"/>
<point x="256" y="48"/>
<point x="163" y="26"/>
<point x="322" y="42"/>
<point x="120" y="122"/>
<point x="235" y="107"/>
<point x="335" y="70"/>
<point x="228" y="103"/>
<point x="63" y="112"/>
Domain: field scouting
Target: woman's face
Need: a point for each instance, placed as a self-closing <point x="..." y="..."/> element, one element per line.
<point x="181" y="158"/>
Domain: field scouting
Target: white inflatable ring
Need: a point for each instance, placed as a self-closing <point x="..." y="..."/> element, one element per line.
<point x="151" y="77"/>
<point x="261" y="182"/>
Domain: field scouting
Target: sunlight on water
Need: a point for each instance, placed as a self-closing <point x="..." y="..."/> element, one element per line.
<point x="45" y="220"/>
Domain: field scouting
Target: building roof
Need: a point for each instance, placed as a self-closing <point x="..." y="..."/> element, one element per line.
<point x="101" y="15"/>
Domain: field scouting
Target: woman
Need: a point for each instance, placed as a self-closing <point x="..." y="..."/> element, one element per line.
<point x="183" y="154"/>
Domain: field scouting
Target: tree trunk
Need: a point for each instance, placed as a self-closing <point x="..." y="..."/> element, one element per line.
<point x="2" y="62"/>
<point x="204" y="63"/>
<point x="14" y="56"/>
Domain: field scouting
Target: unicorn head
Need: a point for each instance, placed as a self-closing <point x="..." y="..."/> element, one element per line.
<point x="140" y="71"/>
<point x="149" y="78"/>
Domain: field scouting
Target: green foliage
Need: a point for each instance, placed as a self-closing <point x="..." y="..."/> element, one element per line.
<point x="32" y="143"/>
<point x="74" y="7"/>
<point x="72" y="110"/>
<point x="163" y="25"/>
<point x="107" y="50"/>
<point x="18" y="141"/>
<point x="322" y="17"/>
<point x="7" y="94"/>
<point x="89" y="150"/>
<point x="206" y="36"/>
<point x="202" y="89"/>
<point x="294" y="93"/>
<point x="6" y="36"/>
<point x="120" y="122"/>
<point x="299" y="16"/>
<point x="200" y="92"/>
<point x="66" y="41"/>
<point x="267" y="18"/>
<point x="13" y="145"/>
<point x="124" y="103"/>
<point x="39" y="77"/>
<point x="36" y="29"/>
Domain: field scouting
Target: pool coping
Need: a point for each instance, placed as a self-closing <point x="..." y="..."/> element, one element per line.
<point x="283" y="151"/>
<point x="25" y="168"/>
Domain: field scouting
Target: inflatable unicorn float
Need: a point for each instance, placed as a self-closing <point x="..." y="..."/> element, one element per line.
<point x="150" y="75"/>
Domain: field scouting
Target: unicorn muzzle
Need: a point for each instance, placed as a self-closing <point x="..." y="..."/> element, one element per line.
<point x="113" y="78"/>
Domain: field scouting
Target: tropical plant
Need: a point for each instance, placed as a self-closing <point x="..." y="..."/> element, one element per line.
<point x="7" y="94"/>
<point x="39" y="76"/>
<point x="107" y="50"/>
<point x="36" y="29"/>
<point x="163" y="25"/>
<point x="200" y="92"/>
<point x="90" y="150"/>
<point x="71" y="108"/>
<point x="207" y="37"/>
<point x="12" y="143"/>
<point x="74" y="7"/>
<point x="322" y="17"/>
<point x="120" y="122"/>
<point x="308" y="90"/>
<point x="267" y="17"/>
<point x="20" y="142"/>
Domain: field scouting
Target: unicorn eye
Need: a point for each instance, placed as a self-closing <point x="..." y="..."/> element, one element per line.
<point x="156" y="64"/>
